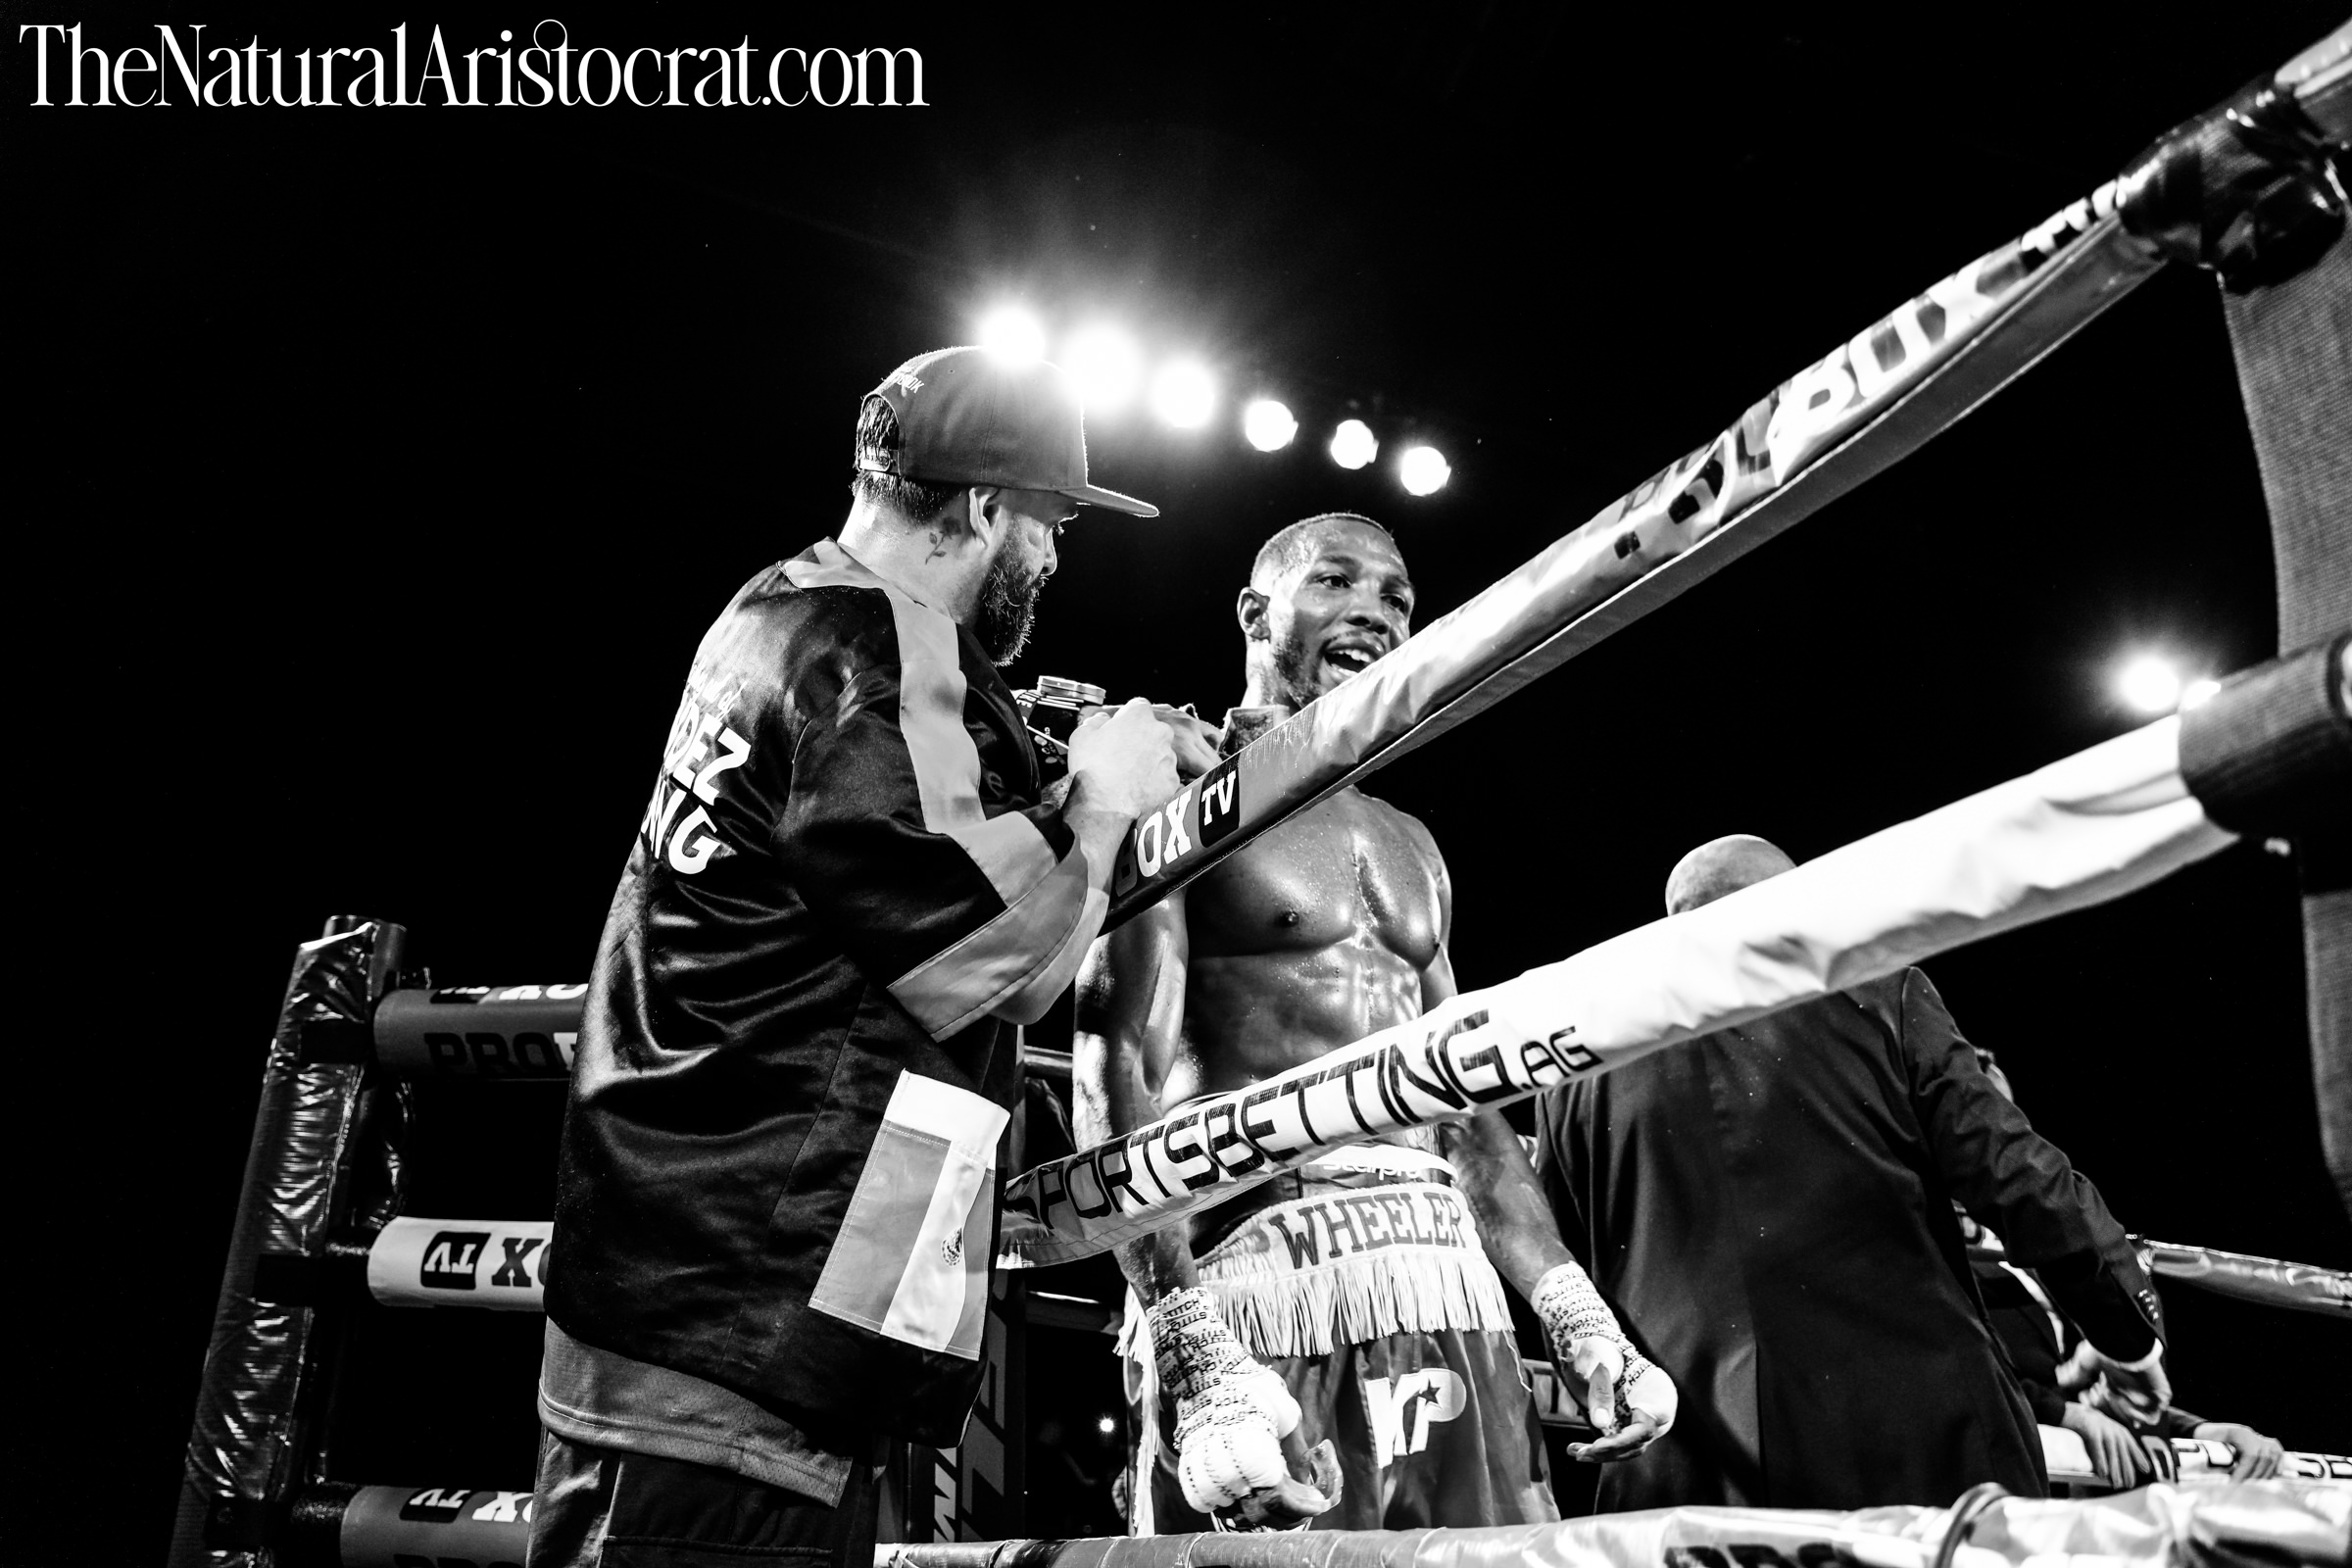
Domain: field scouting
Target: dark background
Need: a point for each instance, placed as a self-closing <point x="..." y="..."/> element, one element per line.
<point x="375" y="474"/>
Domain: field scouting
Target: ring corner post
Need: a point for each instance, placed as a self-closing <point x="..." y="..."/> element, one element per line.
<point x="248" y="1440"/>
<point x="2293" y="342"/>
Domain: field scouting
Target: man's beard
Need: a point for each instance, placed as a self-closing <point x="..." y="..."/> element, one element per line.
<point x="1007" y="605"/>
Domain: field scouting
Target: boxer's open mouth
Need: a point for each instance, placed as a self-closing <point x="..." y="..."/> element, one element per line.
<point x="1350" y="658"/>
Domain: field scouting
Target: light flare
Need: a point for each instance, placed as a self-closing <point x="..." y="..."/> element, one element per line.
<point x="1354" y="445"/>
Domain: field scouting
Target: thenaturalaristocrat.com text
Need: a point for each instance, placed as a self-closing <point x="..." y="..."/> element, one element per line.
<point x="421" y="69"/>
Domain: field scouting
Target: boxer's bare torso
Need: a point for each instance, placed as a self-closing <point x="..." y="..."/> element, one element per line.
<point x="1326" y="929"/>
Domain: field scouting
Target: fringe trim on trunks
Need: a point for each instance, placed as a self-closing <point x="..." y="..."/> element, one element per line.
<point x="1278" y="1308"/>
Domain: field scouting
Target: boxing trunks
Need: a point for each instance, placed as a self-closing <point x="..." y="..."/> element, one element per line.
<point x="1370" y="1294"/>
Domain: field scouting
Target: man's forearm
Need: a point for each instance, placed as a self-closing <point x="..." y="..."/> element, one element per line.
<point x="1159" y="1264"/>
<point x="1162" y="1262"/>
<point x="1521" y="1237"/>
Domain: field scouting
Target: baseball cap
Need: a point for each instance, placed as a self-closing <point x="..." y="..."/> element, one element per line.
<point x="968" y="417"/>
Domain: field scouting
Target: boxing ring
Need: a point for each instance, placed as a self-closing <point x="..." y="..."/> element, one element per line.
<point x="2250" y="190"/>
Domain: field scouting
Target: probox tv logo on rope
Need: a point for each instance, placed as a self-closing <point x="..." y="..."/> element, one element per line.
<point x="461" y="1262"/>
<point x="1199" y="815"/>
<point x="504" y="1032"/>
<point x="422" y="71"/>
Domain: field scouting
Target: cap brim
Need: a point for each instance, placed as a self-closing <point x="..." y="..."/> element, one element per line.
<point x="1094" y="494"/>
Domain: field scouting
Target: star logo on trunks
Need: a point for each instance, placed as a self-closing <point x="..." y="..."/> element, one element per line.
<point x="1404" y="1408"/>
<point x="952" y="1248"/>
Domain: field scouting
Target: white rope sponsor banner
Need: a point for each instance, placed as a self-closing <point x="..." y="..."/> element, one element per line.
<point x="2206" y="1461"/>
<point x="499" y="1264"/>
<point x="2160" y="1526"/>
<point x="2088" y="828"/>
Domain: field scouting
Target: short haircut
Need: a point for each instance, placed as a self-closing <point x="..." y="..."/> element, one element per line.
<point x="875" y="479"/>
<point x="1723" y="866"/>
<point x="1292" y="547"/>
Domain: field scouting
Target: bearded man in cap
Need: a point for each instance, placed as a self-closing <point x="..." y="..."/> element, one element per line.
<point x="776" y="1198"/>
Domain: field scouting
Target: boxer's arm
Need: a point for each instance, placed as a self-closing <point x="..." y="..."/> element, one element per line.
<point x="1497" y="1181"/>
<point x="1129" y="1020"/>
<point x="1628" y="1398"/>
<point x="1236" y="1430"/>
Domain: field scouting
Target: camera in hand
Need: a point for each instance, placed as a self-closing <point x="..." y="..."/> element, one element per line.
<point x="1051" y="710"/>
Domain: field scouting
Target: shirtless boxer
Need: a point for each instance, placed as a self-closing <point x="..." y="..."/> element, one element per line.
<point x="1367" y="1284"/>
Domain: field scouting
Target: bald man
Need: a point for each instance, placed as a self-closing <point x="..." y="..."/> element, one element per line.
<point x="1770" y="1209"/>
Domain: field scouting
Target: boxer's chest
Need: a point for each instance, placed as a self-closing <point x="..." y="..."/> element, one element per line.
<point x="1348" y="871"/>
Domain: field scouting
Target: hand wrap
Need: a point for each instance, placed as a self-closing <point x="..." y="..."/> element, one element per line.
<point x="1230" y="1413"/>
<point x="1585" y="1335"/>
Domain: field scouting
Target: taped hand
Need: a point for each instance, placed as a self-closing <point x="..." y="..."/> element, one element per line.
<point x="1231" y="1416"/>
<point x="1630" y="1401"/>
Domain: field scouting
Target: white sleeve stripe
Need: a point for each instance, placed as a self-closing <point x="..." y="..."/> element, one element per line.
<point x="1008" y="849"/>
<point x="1031" y="997"/>
<point x="974" y="976"/>
<point x="947" y="766"/>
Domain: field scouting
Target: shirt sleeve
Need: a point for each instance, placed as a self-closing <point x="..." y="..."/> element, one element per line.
<point x="962" y="901"/>
<point x="2049" y="1215"/>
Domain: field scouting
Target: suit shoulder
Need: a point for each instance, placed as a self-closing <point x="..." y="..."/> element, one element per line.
<point x="1887" y="990"/>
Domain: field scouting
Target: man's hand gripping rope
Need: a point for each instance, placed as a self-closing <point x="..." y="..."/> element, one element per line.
<point x="1231" y="1419"/>
<point x="1630" y="1399"/>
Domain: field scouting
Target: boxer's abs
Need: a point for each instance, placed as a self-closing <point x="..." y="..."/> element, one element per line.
<point x="1309" y="940"/>
<point x="1268" y="1013"/>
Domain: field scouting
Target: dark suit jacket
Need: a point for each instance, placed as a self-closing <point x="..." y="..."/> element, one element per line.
<point x="1770" y="1210"/>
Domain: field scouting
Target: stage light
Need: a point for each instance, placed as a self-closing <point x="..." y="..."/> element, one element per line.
<point x="1423" y="469"/>
<point x="1107" y="1426"/>
<point x="1107" y="366"/>
<point x="2149" y="684"/>
<point x="1353" y="444"/>
<point x="1012" y="332"/>
<point x="1268" y="425"/>
<point x="2198" y="691"/>
<point x="1183" y="395"/>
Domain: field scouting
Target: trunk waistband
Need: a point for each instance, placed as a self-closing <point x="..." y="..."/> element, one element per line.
<point x="1349" y="1263"/>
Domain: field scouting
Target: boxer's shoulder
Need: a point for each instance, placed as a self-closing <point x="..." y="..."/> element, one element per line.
<point x="1348" y="831"/>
